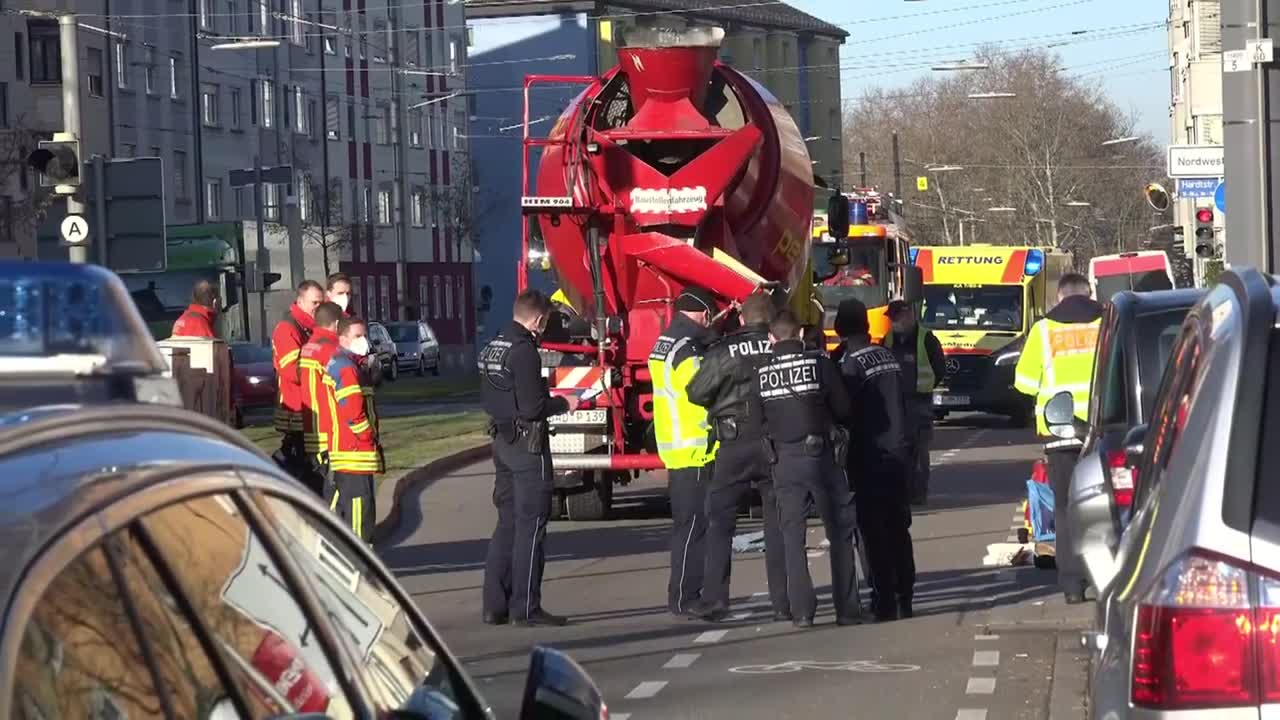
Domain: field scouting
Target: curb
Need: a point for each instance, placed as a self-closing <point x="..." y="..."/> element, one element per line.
<point x="1069" y="692"/>
<point x="424" y="475"/>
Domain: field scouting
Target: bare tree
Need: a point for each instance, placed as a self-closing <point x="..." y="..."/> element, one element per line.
<point x="20" y="215"/>
<point x="1039" y="152"/>
<point x="334" y="236"/>
<point x="457" y="204"/>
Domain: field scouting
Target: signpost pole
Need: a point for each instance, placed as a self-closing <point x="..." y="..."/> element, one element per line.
<point x="262" y="247"/>
<point x="67" y="30"/>
<point x="100" y="208"/>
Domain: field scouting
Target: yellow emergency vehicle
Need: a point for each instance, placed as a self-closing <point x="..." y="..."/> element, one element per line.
<point x="980" y="301"/>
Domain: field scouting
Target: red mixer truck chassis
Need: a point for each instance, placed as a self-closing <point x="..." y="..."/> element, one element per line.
<point x="671" y="169"/>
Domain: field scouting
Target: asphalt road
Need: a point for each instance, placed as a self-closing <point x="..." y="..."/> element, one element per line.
<point x="986" y="642"/>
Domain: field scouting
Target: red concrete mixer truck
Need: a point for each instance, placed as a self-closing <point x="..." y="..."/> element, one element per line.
<point x="670" y="169"/>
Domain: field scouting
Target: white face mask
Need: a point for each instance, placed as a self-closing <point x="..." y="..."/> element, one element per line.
<point x="360" y="346"/>
<point x="342" y="301"/>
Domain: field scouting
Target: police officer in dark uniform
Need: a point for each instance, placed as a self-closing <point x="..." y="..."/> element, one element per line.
<point x="516" y="398"/>
<point x="726" y="385"/>
<point x="877" y="461"/>
<point x="802" y="397"/>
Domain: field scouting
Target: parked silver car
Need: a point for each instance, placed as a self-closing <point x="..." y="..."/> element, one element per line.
<point x="417" y="349"/>
<point x="1189" y="596"/>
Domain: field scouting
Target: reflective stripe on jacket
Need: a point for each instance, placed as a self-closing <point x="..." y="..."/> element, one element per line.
<point x="317" y="394"/>
<point x="679" y="426"/>
<point x="286" y="350"/>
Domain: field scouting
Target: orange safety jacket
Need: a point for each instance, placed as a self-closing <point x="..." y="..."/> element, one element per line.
<point x="286" y="349"/>
<point x="353" y="440"/>
<point x="317" y="392"/>
<point x="195" y="321"/>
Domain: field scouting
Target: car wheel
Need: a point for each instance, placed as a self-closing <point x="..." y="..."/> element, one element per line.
<point x="395" y="370"/>
<point x="237" y="420"/>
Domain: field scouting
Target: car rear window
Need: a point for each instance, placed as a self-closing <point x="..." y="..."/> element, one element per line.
<point x="1157" y="332"/>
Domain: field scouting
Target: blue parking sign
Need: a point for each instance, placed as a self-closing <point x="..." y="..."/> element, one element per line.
<point x="1220" y="197"/>
<point x="1197" y="187"/>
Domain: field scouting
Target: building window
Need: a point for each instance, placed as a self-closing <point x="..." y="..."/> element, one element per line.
<point x="428" y="118"/>
<point x="122" y="65"/>
<point x="366" y="204"/>
<point x="94" y="72"/>
<point x="412" y="58"/>
<point x="382" y="128"/>
<point x="149" y="70"/>
<point x="330" y="45"/>
<point x="180" y="174"/>
<point x="384" y="292"/>
<point x="299" y="110"/>
<point x="46" y="53"/>
<point x="424" y="297"/>
<point x="268" y="103"/>
<point x="209" y="105"/>
<point x="448" y="298"/>
<point x="235" y="109"/>
<point x="4" y="105"/>
<point x="757" y="53"/>
<point x="331" y="115"/>
<point x="364" y="47"/>
<point x="453" y="55"/>
<point x="440" y="134"/>
<point x="435" y="294"/>
<point x="19" y="58"/>
<point x="384" y="207"/>
<point x="174" y="84"/>
<point x="232" y="15"/>
<point x="212" y="199"/>
<point x="379" y="53"/>
<point x="418" y="210"/>
<point x="306" y="199"/>
<point x="271" y="202"/>
<point x="296" y="35"/>
<point x="370" y="302"/>
<point x="311" y="119"/>
<point x="415" y="128"/>
<point x="128" y="150"/>
<point x="264" y="17"/>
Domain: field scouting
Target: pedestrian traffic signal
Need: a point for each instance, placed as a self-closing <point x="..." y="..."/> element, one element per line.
<point x="1205" y="245"/>
<point x="57" y="161"/>
<point x="269" y="279"/>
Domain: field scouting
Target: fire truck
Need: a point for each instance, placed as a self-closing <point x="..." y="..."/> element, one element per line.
<point x="872" y="263"/>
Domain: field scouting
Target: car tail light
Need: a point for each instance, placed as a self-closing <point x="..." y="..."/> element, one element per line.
<point x="1122" y="477"/>
<point x="1201" y="641"/>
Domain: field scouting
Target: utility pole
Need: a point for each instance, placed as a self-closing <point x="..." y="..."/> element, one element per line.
<point x="69" y="47"/>
<point x="862" y="168"/>
<point x="264" y="333"/>
<point x="897" y="176"/>
<point x="1248" y="118"/>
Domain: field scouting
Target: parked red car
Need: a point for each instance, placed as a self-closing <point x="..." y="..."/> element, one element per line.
<point x="253" y="378"/>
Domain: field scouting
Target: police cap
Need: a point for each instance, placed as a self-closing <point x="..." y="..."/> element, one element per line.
<point x="696" y="299"/>
<point x="851" y="318"/>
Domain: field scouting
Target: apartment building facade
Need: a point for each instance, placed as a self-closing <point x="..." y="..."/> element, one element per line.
<point x="364" y="99"/>
<point x="1195" y="98"/>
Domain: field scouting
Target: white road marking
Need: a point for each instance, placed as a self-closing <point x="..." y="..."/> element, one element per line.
<point x="971" y="714"/>
<point x="759" y="595"/>
<point x="980" y="686"/>
<point x="682" y="660"/>
<point x="986" y="637"/>
<point x="986" y="658"/>
<point x="741" y="615"/>
<point x="711" y="636"/>
<point x="646" y="689"/>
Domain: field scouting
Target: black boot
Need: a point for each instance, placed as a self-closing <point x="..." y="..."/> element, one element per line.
<point x="904" y="607"/>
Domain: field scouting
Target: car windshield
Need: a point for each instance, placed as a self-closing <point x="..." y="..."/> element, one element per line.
<point x="864" y="276"/>
<point x="1148" y="281"/>
<point x="246" y="353"/>
<point x="983" y="307"/>
<point x="403" y="333"/>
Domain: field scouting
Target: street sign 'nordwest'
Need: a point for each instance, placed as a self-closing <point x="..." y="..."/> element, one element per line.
<point x="1196" y="161"/>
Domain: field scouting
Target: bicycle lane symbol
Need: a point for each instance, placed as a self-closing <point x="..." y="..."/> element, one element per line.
<point x="791" y="666"/>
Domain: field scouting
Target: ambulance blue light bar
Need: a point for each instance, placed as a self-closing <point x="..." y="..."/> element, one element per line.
<point x="70" y="318"/>
<point x="914" y="252"/>
<point x="1035" y="262"/>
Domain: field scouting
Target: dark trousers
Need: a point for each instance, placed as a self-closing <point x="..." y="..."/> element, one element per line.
<point x="351" y="496"/>
<point x="306" y="469"/>
<point x="798" y="478"/>
<point x="739" y="464"/>
<point x="688" y="490"/>
<point x="522" y="495"/>
<point x="1060" y="464"/>
<point x="884" y="519"/>
<point x="920" y="415"/>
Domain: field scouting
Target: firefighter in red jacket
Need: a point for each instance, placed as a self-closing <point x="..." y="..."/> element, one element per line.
<point x="355" y="454"/>
<point x="197" y="320"/>
<point x="286" y="348"/>
<point x="317" y="403"/>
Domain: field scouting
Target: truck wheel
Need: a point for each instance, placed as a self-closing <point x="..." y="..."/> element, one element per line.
<point x="593" y="501"/>
<point x="557" y="505"/>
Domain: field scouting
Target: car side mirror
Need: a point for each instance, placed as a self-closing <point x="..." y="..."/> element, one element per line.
<point x="558" y="688"/>
<point x="1060" y="416"/>
<point x="1135" y="445"/>
<point x="913" y="289"/>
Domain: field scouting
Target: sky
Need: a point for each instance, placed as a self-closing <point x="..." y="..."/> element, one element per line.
<point x="1125" y="45"/>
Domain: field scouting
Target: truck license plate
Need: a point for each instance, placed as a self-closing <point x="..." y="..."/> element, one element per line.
<point x="579" y="417"/>
<point x="949" y="400"/>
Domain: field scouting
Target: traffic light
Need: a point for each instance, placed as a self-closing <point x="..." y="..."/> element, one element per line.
<point x="1205" y="246"/>
<point x="269" y="279"/>
<point x="57" y="161"/>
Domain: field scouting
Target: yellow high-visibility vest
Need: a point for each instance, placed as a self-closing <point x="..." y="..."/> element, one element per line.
<point x="679" y="426"/>
<point x="1057" y="357"/>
